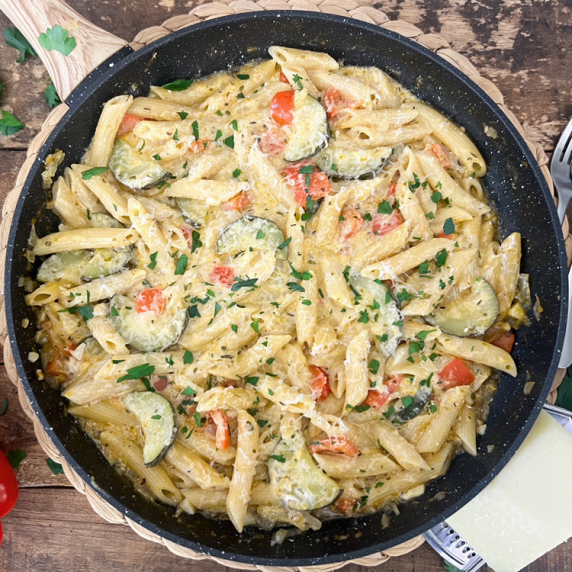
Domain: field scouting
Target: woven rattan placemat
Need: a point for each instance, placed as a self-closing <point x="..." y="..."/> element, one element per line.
<point x="358" y="9"/>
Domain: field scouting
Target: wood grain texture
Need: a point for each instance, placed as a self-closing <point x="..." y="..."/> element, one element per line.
<point x="93" y="45"/>
<point x="519" y="44"/>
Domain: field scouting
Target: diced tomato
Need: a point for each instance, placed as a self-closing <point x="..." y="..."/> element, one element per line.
<point x="271" y="142"/>
<point x="320" y="383"/>
<point x="150" y="300"/>
<point x="283" y="78"/>
<point x="223" y="275"/>
<point x="505" y="341"/>
<point x="200" y="146"/>
<point x="238" y="202"/>
<point x="222" y="431"/>
<point x="56" y="366"/>
<point x="351" y="224"/>
<point x="441" y="153"/>
<point x="443" y="235"/>
<point x="127" y="124"/>
<point x="346" y="506"/>
<point x="282" y="107"/>
<point x="319" y="182"/>
<point x="334" y="101"/>
<point x="70" y="348"/>
<point x="161" y="383"/>
<point x="392" y="189"/>
<point x="377" y="399"/>
<point x="335" y="445"/>
<point x="188" y="232"/>
<point x="455" y="373"/>
<point x="384" y="223"/>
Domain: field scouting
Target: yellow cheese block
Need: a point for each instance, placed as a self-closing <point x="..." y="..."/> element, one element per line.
<point x="527" y="509"/>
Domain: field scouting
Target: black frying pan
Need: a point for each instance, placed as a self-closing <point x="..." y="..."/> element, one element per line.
<point x="514" y="182"/>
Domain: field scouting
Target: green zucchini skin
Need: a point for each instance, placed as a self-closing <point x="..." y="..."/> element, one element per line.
<point x="135" y="170"/>
<point x="299" y="481"/>
<point x="64" y="266"/>
<point x="102" y="220"/>
<point x="352" y="163"/>
<point x="158" y="421"/>
<point x="472" y="314"/>
<point x="147" y="332"/>
<point x="194" y="212"/>
<point x="106" y="261"/>
<point x="251" y="232"/>
<point x="420" y="400"/>
<point x="310" y="130"/>
<point x="389" y="312"/>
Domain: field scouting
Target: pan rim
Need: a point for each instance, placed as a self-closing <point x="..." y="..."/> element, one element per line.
<point x="468" y="495"/>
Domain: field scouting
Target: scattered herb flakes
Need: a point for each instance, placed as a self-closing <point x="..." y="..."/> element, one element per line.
<point x="182" y="114"/>
<point x="234" y="328"/>
<point x="182" y="264"/>
<point x="449" y="226"/>
<point x="218" y="135"/>
<point x="195" y="126"/>
<point x="295" y="287"/>
<point x="153" y="263"/>
<point x="234" y="124"/>
<point x="363" y="317"/>
<point x="198" y="420"/>
<point x="284" y="244"/>
<point x="15" y="457"/>
<point x="176" y="135"/>
<point x="196" y="240"/>
<point x="441" y="257"/>
<point x="236" y="173"/>
<point x="240" y="95"/>
<point x="259" y="235"/>
<point x="187" y="359"/>
<point x="373" y="366"/>
<point x="383" y="338"/>
<point x="86" y="312"/>
<point x="93" y="172"/>
<point x="254" y="326"/>
<point x="384" y="208"/>
<point x="252" y="380"/>
<point x="407" y="401"/>
<point x="179" y="85"/>
<point x="143" y="370"/>
<point x="56" y="468"/>
<point x="436" y="197"/>
<point x="279" y="458"/>
<point x="243" y="283"/>
<point x="422" y="335"/>
<point x="243" y="76"/>
<point x="229" y="141"/>
<point x="157" y="157"/>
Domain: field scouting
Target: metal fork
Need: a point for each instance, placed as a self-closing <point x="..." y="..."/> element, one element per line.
<point x="560" y="169"/>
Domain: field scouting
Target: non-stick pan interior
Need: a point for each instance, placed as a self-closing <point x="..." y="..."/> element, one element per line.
<point x="514" y="183"/>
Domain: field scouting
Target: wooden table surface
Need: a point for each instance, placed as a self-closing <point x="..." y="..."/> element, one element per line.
<point x="521" y="45"/>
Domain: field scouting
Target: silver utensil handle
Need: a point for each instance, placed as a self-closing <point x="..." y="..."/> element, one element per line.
<point x="566" y="356"/>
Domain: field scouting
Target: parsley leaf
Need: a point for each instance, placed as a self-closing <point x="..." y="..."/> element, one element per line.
<point x="242" y="76"/>
<point x="449" y="226"/>
<point x="229" y="141"/>
<point x="86" y="312"/>
<point x="196" y="241"/>
<point x="195" y="126"/>
<point x="384" y="208"/>
<point x="179" y="85"/>
<point x="295" y="287"/>
<point x="187" y="359"/>
<point x="143" y="370"/>
<point x="407" y="401"/>
<point x="284" y="244"/>
<point x="153" y="263"/>
<point x="93" y="172"/>
<point x="182" y="264"/>
<point x="373" y="366"/>
<point x="57" y="39"/>
<point x="436" y="196"/>
<point x="422" y="335"/>
<point x="243" y="283"/>
<point x="51" y="95"/>
<point x="441" y="257"/>
<point x="182" y="114"/>
<point x="15" y="39"/>
<point x="236" y="173"/>
<point x="9" y="125"/>
<point x="279" y="458"/>
<point x="252" y="380"/>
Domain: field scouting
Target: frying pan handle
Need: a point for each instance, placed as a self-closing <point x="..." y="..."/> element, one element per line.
<point x="94" y="45"/>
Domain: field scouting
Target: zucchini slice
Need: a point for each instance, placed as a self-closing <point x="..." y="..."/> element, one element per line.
<point x="471" y="314"/>
<point x="310" y="132"/>
<point x="106" y="261"/>
<point x="158" y="421"/>
<point x="296" y="477"/>
<point x="194" y="212"/>
<point x="345" y="163"/>
<point x="420" y="400"/>
<point x="135" y="170"/>
<point x="251" y="232"/>
<point x="64" y="266"/>
<point x="102" y="220"/>
<point x="147" y="332"/>
<point x="377" y="293"/>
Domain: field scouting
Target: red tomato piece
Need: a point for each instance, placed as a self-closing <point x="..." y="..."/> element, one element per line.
<point x="346" y="506"/>
<point x="455" y="373"/>
<point x="150" y="300"/>
<point x="384" y="223"/>
<point x="283" y="78"/>
<point x="377" y="399"/>
<point x="505" y="341"/>
<point x="238" y="202"/>
<point x="282" y="107"/>
<point x="271" y="142"/>
<point x="443" y="235"/>
<point x="319" y="183"/>
<point x="127" y="124"/>
<point x="320" y="383"/>
<point x="200" y="146"/>
<point x="223" y="275"/>
<point x="441" y="153"/>
<point x="8" y="486"/>
<point x="335" y="445"/>
<point x="333" y="101"/>
<point x="351" y="224"/>
<point x="392" y="189"/>
<point x="222" y="431"/>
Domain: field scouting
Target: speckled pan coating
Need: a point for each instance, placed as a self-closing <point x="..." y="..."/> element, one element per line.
<point x="514" y="182"/>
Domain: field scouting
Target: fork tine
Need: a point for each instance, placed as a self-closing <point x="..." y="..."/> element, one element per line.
<point x="567" y="154"/>
<point x="562" y="142"/>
